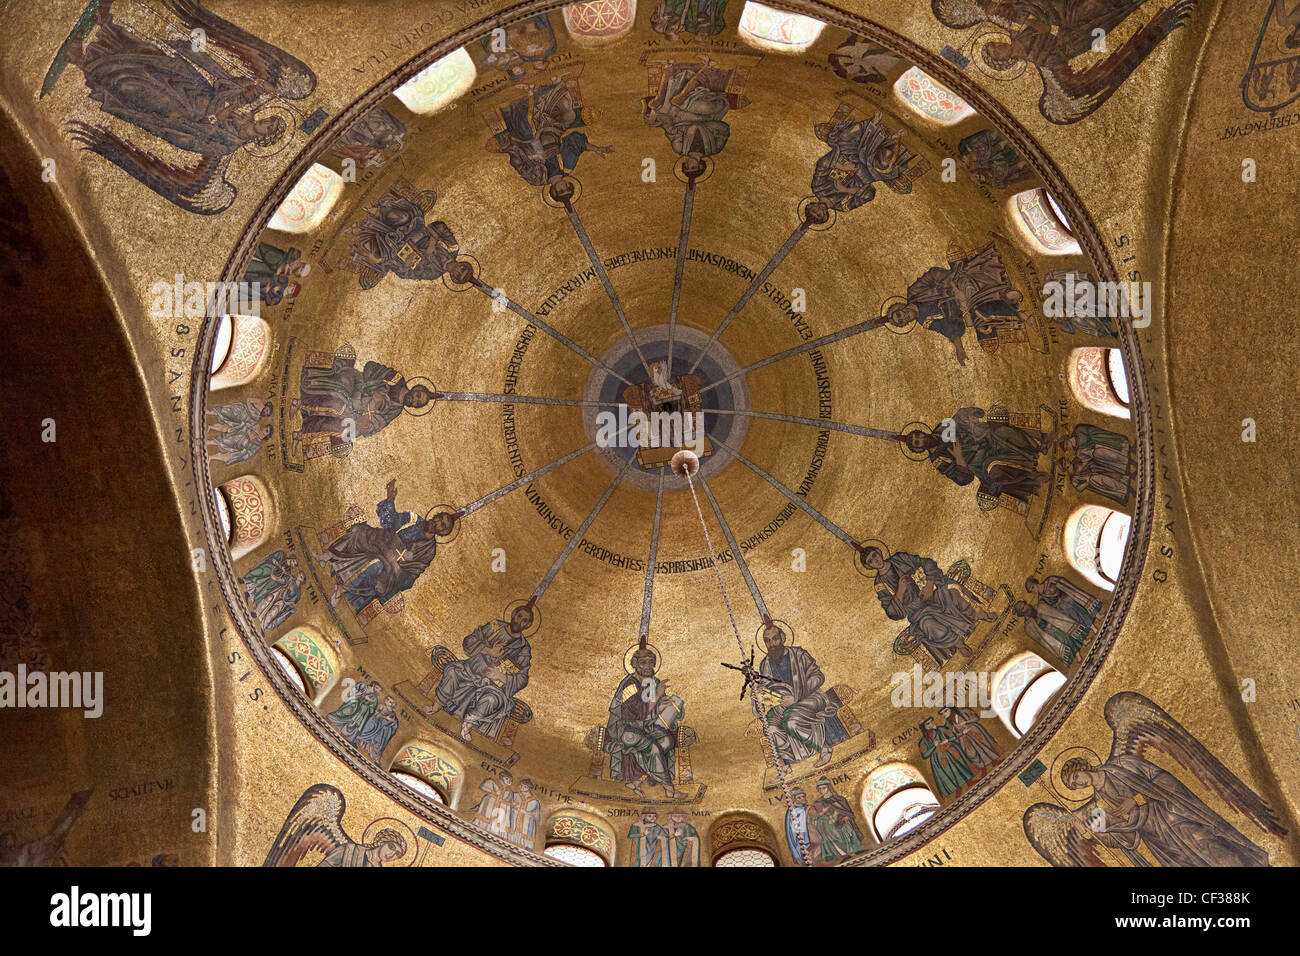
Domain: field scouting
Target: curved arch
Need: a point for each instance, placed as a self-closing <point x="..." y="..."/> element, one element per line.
<point x="1041" y="221"/>
<point x="308" y="655"/>
<point x="582" y="830"/>
<point x="1099" y="380"/>
<point x="1095" y="539"/>
<point x="249" y="344"/>
<point x="309" y="202"/>
<point x="440" y="771"/>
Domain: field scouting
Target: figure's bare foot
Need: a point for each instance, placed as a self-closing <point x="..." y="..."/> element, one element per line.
<point x="670" y="792"/>
<point x="294" y="406"/>
<point x="297" y="440"/>
<point x="465" y="728"/>
<point x="432" y="709"/>
<point x="855" y="728"/>
<point x="825" y="757"/>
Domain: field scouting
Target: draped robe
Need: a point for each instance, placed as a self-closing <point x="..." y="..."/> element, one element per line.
<point x="810" y="724"/>
<point x="467" y="691"/>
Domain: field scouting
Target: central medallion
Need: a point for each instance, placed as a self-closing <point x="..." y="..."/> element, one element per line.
<point x="652" y="406"/>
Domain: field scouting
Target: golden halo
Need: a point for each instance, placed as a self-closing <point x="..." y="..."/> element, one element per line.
<point x="1053" y="776"/>
<point x="577" y="192"/>
<point x="703" y="177"/>
<point x="786" y="629"/>
<point x="458" y="286"/>
<point x="627" y="658"/>
<point x="537" y="615"/>
<point x="884" y="311"/>
<point x="902" y="445"/>
<point x="455" y="527"/>
<point x="421" y="412"/>
<point x="389" y="823"/>
<point x="862" y="569"/>
<point x="824" y="226"/>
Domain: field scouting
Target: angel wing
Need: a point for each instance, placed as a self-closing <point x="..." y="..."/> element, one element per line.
<point x="313" y="826"/>
<point x="1140" y="724"/>
<point x="1054" y="833"/>
<point x="1069" y="96"/>
<point x="201" y="188"/>
<point x="287" y="75"/>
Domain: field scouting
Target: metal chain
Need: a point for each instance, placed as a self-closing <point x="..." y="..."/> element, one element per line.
<point x="768" y="735"/>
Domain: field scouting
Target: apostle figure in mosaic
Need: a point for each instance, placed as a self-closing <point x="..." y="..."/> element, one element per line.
<point x="941" y="613"/>
<point x="690" y="101"/>
<point x="377" y="563"/>
<point x="340" y="404"/>
<point x="1001" y="457"/>
<point x="801" y="718"/>
<point x="862" y="153"/>
<point x="640" y="735"/>
<point x="481" y="689"/>
<point x="543" y="133"/>
<point x="970" y="293"/>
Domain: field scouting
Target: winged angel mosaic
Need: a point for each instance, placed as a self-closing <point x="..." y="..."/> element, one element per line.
<point x="1137" y="813"/>
<point x="188" y="78"/>
<point x="1067" y="42"/>
<point x="313" y="835"/>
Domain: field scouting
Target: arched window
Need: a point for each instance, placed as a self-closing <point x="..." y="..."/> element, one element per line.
<point x="439" y="84"/>
<point x="777" y="30"/>
<point x="575" y="839"/>
<point x="239" y="351"/>
<point x="1023" y="689"/>
<point x="1095" y="540"/>
<point x="742" y="839"/>
<point x="1099" y="381"/>
<point x="748" y="856"/>
<point x="428" y="770"/>
<point x="931" y="98"/>
<point x="248" y="502"/>
<point x="896" y="800"/>
<point x="309" y="202"/>
<point x="573" y="855"/>
<point x="599" y="20"/>
<point x="305" y="656"/>
<point x="1041" y="219"/>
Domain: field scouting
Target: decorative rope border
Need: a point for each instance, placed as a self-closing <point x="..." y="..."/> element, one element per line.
<point x="992" y="111"/>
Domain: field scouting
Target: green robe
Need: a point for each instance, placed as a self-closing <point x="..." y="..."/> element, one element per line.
<point x="951" y="769"/>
